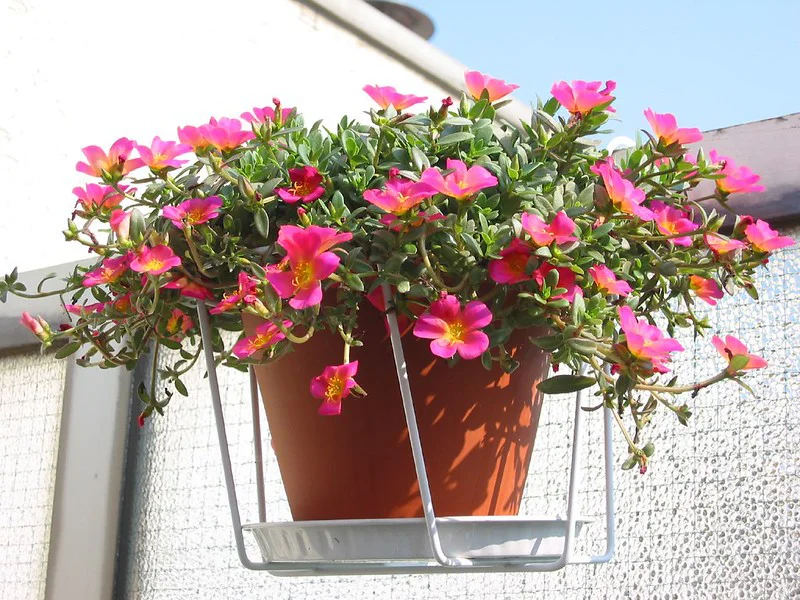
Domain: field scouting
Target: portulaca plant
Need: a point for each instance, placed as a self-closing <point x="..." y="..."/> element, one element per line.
<point x="479" y="228"/>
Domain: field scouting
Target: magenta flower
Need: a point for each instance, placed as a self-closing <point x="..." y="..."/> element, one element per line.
<point x="452" y="329"/>
<point x="705" y="289"/>
<point x="733" y="347"/>
<point x="194" y="137"/>
<point x="765" y="238"/>
<point x="626" y="197"/>
<point x="306" y="186"/>
<point x="161" y="155"/>
<point x="120" y="222"/>
<point x="194" y="211"/>
<point x="109" y="272"/>
<point x="608" y="282"/>
<point x="333" y="386"/>
<point x="512" y="266"/>
<point x="721" y="245"/>
<point x="671" y="221"/>
<point x="103" y="197"/>
<point x="226" y="134"/>
<point x="38" y="327"/>
<point x="308" y="262"/>
<point x="559" y="231"/>
<point x="189" y="288"/>
<point x="247" y="293"/>
<point x="477" y="83"/>
<point x="462" y="183"/>
<point x="645" y="341"/>
<point x="178" y="324"/>
<point x="266" y="115"/>
<point x="666" y="129"/>
<point x="399" y="195"/>
<point x="113" y="165"/>
<point x="566" y="280"/>
<point x="267" y="334"/>
<point x="387" y="96"/>
<point x="156" y="260"/>
<point x="84" y="309"/>
<point x="737" y="179"/>
<point x="582" y="96"/>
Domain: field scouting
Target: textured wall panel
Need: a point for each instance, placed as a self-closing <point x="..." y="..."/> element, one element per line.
<point x="31" y="391"/>
<point x="716" y="516"/>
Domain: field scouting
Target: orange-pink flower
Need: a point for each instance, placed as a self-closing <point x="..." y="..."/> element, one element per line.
<point x="267" y="334"/>
<point x="306" y="185"/>
<point x="161" y="155"/>
<point x="705" y="289"/>
<point x="308" y="262"/>
<point x="672" y="221"/>
<point x="566" y="280"/>
<point x="583" y="96"/>
<point x="109" y="272"/>
<point x="189" y="288"/>
<point x="333" y="385"/>
<point x="112" y="166"/>
<point x="737" y="179"/>
<point x="478" y="83"/>
<point x="608" y="282"/>
<point x="626" y="197"/>
<point x="645" y="341"/>
<point x="387" y="96"/>
<point x="103" y="197"/>
<point x="194" y="137"/>
<point x="666" y="128"/>
<point x="226" y="134"/>
<point x="560" y="230"/>
<point x="732" y="347"/>
<point x="266" y="115"/>
<point x="178" y="324"/>
<point x="512" y="266"/>
<point x="452" y="329"/>
<point x="765" y="238"/>
<point x="399" y="196"/>
<point x="720" y="245"/>
<point x="120" y="222"/>
<point x="155" y="260"/>
<point x="194" y="211"/>
<point x="247" y="293"/>
<point x="461" y="183"/>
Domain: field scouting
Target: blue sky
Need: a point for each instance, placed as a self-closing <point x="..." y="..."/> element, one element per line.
<point x="730" y="62"/>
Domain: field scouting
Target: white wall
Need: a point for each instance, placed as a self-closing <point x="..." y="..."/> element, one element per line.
<point x="90" y="71"/>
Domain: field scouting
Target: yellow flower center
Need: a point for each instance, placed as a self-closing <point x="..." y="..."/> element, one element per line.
<point x="153" y="265"/>
<point x="303" y="275"/>
<point x="335" y="388"/>
<point x="195" y="216"/>
<point x="455" y="332"/>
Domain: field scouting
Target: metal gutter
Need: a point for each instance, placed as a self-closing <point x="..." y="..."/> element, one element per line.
<point x="406" y="47"/>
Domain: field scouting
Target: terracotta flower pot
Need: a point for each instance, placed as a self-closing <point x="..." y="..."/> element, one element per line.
<point x="477" y="429"/>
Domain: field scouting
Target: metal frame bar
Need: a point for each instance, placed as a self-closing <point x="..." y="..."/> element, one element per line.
<point x="443" y="562"/>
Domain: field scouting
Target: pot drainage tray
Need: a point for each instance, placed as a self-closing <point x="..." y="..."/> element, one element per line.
<point x="407" y="539"/>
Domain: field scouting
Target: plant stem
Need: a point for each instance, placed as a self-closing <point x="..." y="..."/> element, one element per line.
<point x="434" y="276"/>
<point x="687" y="388"/>
<point x="187" y="233"/>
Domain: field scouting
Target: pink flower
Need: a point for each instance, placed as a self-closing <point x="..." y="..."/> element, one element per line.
<point x="178" y="324"/>
<point x="566" y="280"/>
<point x="333" y="386"/>
<point x="267" y="334"/>
<point x="477" y="83"/>
<point x="705" y="289"/>
<point x="666" y="129"/>
<point x="608" y="282"/>
<point x="733" y="347"/>
<point x="103" y="197"/>
<point x="308" y="262"/>
<point x="189" y="288"/>
<point x="266" y="115"/>
<point x="156" y="260"/>
<point x="462" y="182"/>
<point x="671" y="221"/>
<point x="226" y="134"/>
<point x="84" y="309"/>
<point x="722" y="245"/>
<point x="623" y="194"/>
<point x="388" y="96"/>
<point x="194" y="211"/>
<point x="194" y="137"/>
<point x="113" y="165"/>
<point x="305" y="185"/>
<point x="120" y="222"/>
<point x="34" y="325"/>
<point x="582" y="96"/>
<point x="737" y="179"/>
<point x="765" y="238"/>
<point x="110" y="271"/>
<point x="452" y="329"/>
<point x="395" y="223"/>
<point x="399" y="195"/>
<point x="559" y="231"/>
<point x="161" y="155"/>
<point x="247" y="293"/>
<point x="645" y="341"/>
<point x="512" y="267"/>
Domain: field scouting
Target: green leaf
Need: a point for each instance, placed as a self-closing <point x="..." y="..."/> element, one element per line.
<point x="180" y="387"/>
<point x="737" y="363"/>
<point x="68" y="349"/>
<point x="457" y="121"/>
<point x="261" y="221"/>
<point x="419" y="159"/>
<point x="455" y="138"/>
<point x="564" y="384"/>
